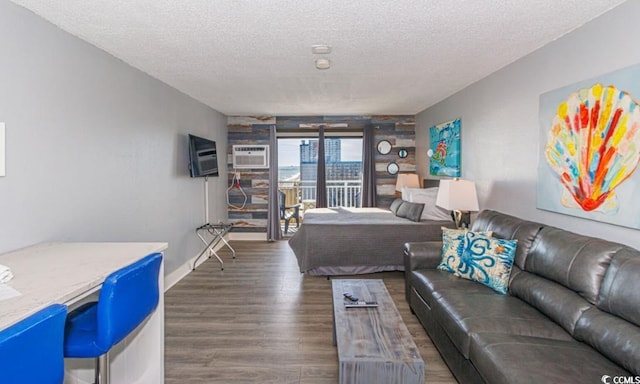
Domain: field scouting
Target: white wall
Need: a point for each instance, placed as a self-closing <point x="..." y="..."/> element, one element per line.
<point x="96" y="150"/>
<point x="500" y="125"/>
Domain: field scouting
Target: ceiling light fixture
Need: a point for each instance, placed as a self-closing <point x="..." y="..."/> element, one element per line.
<point x="320" y="49"/>
<point x="323" y="63"/>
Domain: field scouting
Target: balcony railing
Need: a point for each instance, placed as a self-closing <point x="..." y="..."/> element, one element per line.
<point x="340" y="193"/>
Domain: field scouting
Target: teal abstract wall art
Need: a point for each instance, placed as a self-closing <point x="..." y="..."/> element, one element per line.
<point x="444" y="150"/>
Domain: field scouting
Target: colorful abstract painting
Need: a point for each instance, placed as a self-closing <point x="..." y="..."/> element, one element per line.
<point x="444" y="151"/>
<point x="590" y="149"/>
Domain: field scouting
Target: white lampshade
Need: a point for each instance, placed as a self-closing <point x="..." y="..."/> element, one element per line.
<point x="457" y="195"/>
<point x="409" y="180"/>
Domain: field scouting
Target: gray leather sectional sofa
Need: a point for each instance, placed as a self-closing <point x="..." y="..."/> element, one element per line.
<point x="571" y="315"/>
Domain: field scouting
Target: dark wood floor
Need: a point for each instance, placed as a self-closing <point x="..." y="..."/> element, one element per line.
<point x="261" y="321"/>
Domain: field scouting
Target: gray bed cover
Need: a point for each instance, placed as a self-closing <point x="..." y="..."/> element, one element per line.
<point x="334" y="241"/>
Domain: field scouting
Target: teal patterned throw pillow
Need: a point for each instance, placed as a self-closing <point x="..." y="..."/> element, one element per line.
<point x="452" y="241"/>
<point x="479" y="257"/>
<point x="452" y="247"/>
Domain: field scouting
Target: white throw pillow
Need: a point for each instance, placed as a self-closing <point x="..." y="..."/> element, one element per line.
<point x="406" y="193"/>
<point x="427" y="197"/>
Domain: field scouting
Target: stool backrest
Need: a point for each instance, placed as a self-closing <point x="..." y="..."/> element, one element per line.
<point x="31" y="350"/>
<point x="128" y="296"/>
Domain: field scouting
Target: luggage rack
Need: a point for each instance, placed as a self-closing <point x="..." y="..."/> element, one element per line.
<point x="216" y="233"/>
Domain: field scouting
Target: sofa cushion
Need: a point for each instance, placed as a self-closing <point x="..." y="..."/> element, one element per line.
<point x="554" y="300"/>
<point x="510" y="228"/>
<point x="612" y="327"/>
<point x="563" y="274"/>
<point x="620" y="294"/>
<point x="498" y="358"/>
<point x="482" y="259"/>
<point x="612" y="336"/>
<point x="463" y="313"/>
<point x="575" y="261"/>
<point x="430" y="284"/>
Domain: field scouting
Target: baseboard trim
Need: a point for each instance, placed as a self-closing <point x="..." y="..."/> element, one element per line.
<point x="182" y="271"/>
<point x="248" y="236"/>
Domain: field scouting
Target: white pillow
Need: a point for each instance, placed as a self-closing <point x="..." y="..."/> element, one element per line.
<point x="422" y="194"/>
<point x="428" y="198"/>
<point x="406" y="193"/>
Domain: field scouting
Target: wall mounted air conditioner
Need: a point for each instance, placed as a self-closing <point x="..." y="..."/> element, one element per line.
<point x="250" y="156"/>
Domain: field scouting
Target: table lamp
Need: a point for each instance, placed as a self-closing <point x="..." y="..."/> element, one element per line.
<point x="409" y="180"/>
<point x="460" y="197"/>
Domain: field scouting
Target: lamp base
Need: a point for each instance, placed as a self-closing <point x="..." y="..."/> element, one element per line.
<point x="462" y="219"/>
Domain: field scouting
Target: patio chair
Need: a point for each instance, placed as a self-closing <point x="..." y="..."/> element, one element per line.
<point x="288" y="212"/>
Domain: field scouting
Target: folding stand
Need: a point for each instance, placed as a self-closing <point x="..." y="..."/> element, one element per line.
<point x="215" y="231"/>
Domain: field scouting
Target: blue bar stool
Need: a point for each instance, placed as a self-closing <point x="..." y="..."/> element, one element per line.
<point x="31" y="350"/>
<point x="128" y="296"/>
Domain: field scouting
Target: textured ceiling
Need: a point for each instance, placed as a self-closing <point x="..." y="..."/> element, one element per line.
<point x="253" y="57"/>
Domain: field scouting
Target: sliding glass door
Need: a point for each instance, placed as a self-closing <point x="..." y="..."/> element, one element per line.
<point x="298" y="164"/>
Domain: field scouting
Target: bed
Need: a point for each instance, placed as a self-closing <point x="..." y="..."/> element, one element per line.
<point x="345" y="241"/>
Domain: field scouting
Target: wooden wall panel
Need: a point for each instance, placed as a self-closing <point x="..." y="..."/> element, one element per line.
<point x="400" y="132"/>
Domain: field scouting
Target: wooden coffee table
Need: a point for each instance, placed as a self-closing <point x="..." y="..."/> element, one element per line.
<point x="374" y="344"/>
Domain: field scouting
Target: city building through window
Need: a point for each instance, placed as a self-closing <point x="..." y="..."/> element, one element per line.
<point x="297" y="167"/>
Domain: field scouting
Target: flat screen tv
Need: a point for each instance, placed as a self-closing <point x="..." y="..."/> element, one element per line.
<point x="203" y="160"/>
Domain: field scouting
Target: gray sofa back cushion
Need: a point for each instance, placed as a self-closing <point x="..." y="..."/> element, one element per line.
<point x="614" y="327"/>
<point x="563" y="274"/>
<point x="509" y="228"/>
<point x="620" y="294"/>
<point x="562" y="305"/>
<point x="577" y="262"/>
<point x="615" y="338"/>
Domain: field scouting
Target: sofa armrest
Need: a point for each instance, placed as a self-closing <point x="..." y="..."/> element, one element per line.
<point x="425" y="254"/>
<point x="422" y="255"/>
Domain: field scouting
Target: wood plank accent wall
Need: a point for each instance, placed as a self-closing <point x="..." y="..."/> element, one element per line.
<point x="399" y="130"/>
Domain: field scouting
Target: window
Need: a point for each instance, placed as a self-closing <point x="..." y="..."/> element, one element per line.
<point x="297" y="169"/>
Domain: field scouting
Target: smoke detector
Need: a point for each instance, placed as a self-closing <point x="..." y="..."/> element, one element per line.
<point x="323" y="63"/>
<point x="320" y="49"/>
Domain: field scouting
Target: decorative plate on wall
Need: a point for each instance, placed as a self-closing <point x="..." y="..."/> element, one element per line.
<point x="393" y="168"/>
<point x="384" y="147"/>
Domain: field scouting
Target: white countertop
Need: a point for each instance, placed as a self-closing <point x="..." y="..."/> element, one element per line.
<point x="62" y="273"/>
